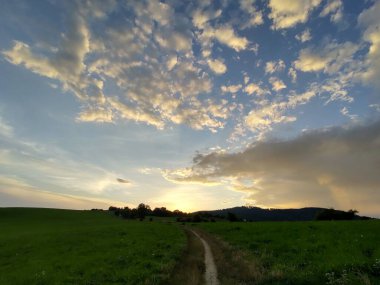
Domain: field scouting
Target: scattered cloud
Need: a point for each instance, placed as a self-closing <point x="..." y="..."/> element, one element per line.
<point x="231" y="88"/>
<point x="289" y="13"/>
<point x="263" y="118"/>
<point x="292" y="74"/>
<point x="274" y="66"/>
<point x="217" y="66"/>
<point x="255" y="17"/>
<point x="99" y="114"/>
<point x="277" y="84"/>
<point x="225" y="35"/>
<point x="171" y="62"/>
<point x="305" y="36"/>
<point x="334" y="8"/>
<point x="329" y="58"/>
<point x="345" y="112"/>
<point x="201" y="18"/>
<point x="83" y="60"/>
<point x="255" y="88"/>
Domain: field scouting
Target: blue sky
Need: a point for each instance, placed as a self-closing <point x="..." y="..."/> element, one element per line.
<point x="190" y="104"/>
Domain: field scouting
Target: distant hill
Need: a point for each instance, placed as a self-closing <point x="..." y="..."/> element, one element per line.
<point x="259" y="214"/>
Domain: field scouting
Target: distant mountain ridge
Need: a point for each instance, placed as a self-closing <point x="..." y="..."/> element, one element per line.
<point x="259" y="214"/>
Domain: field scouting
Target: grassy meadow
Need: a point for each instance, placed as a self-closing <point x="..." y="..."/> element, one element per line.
<point x="49" y="246"/>
<point x="344" y="252"/>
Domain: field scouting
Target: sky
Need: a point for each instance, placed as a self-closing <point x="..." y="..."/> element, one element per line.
<point x="190" y="105"/>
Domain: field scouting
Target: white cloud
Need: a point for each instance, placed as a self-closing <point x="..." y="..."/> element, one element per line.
<point x="273" y="66"/>
<point x="333" y="8"/>
<point x="200" y="18"/>
<point x="133" y="113"/>
<point x="292" y="74"/>
<point x="262" y="118"/>
<point x="288" y="13"/>
<point x="277" y="84"/>
<point x="254" y="88"/>
<point x="92" y="114"/>
<point x="329" y="58"/>
<point x="305" y="36"/>
<point x="217" y="66"/>
<point x="231" y="88"/>
<point x="160" y="12"/>
<point x="171" y="62"/>
<point x="225" y="35"/>
<point x="174" y="40"/>
<point x="345" y="112"/>
<point x="255" y="17"/>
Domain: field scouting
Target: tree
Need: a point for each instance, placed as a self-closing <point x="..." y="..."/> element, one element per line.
<point x="143" y="210"/>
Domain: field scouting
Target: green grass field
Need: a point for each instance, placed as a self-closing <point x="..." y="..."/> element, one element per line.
<point x="307" y="252"/>
<point x="47" y="246"/>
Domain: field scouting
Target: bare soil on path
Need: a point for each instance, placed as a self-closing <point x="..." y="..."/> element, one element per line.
<point x="190" y="270"/>
<point x="206" y="256"/>
<point x="211" y="274"/>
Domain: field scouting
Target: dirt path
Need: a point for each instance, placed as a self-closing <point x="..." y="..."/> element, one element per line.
<point x="205" y="253"/>
<point x="211" y="274"/>
<point x="190" y="270"/>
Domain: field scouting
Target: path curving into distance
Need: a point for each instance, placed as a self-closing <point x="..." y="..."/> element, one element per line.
<point x="211" y="274"/>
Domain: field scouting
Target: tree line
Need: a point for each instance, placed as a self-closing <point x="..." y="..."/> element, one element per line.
<point x="143" y="210"/>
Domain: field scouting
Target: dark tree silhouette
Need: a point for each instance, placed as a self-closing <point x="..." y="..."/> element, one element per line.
<point x="232" y="217"/>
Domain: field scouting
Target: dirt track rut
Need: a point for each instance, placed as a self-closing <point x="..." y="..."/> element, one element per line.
<point x="211" y="274"/>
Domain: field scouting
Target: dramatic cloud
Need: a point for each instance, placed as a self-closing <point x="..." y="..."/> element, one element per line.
<point x="329" y="167"/>
<point x="152" y="89"/>
<point x="288" y="13"/>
